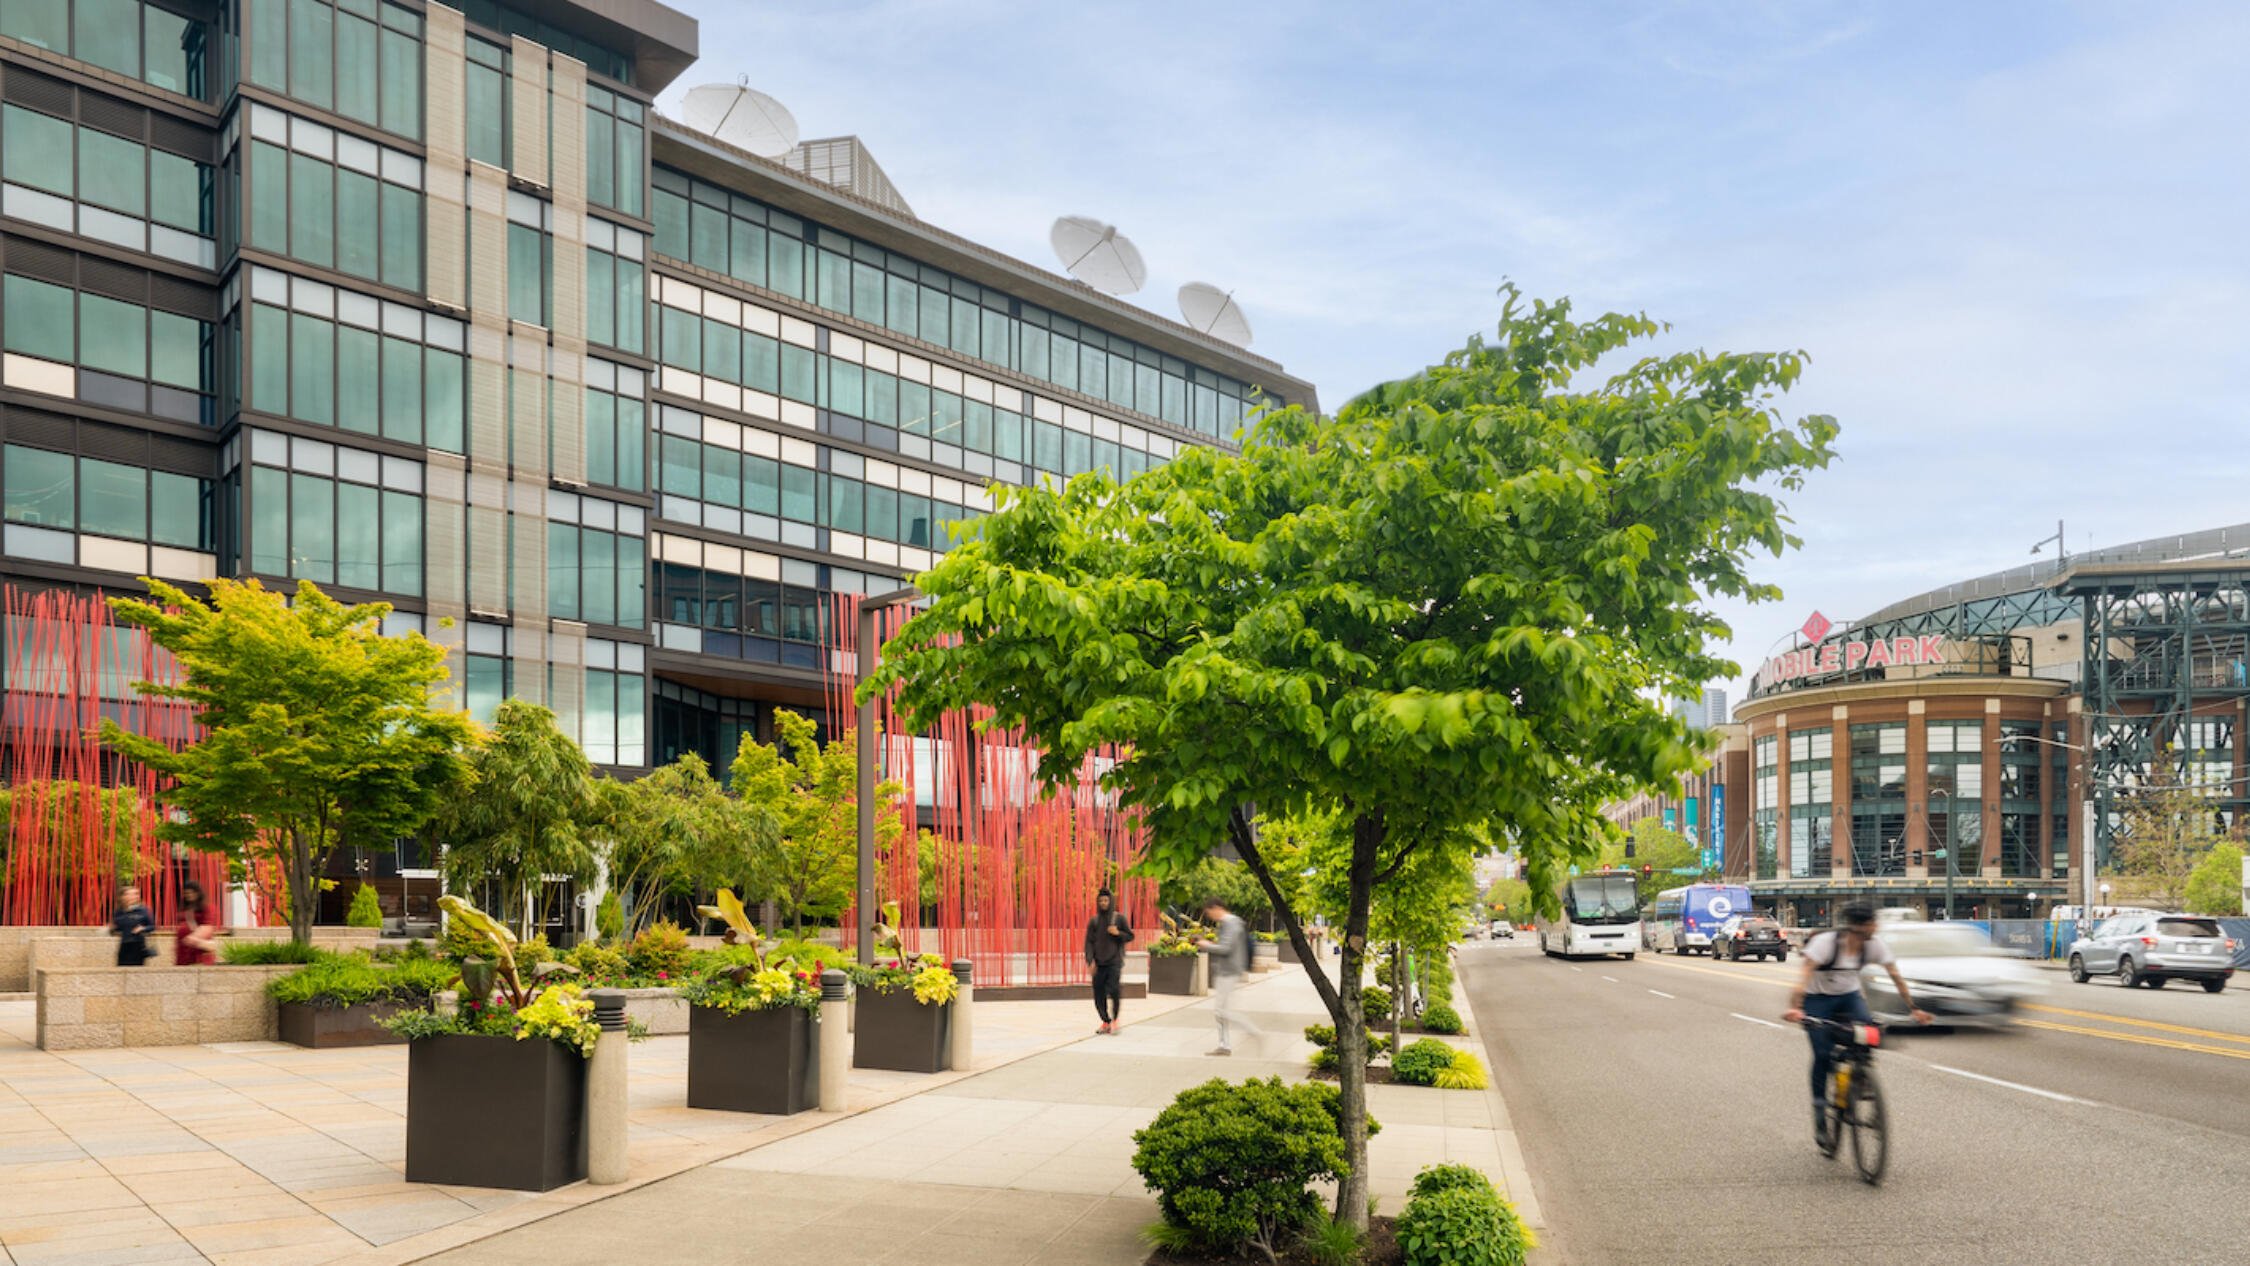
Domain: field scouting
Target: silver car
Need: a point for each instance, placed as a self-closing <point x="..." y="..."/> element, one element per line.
<point x="2150" y="949"/>
<point x="1957" y="974"/>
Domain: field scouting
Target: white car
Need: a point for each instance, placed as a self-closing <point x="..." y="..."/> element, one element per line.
<point x="1957" y="974"/>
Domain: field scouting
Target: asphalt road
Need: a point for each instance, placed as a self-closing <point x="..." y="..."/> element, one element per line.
<point x="1664" y="1114"/>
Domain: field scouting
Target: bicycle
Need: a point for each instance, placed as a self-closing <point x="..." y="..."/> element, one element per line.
<point x="1855" y="1099"/>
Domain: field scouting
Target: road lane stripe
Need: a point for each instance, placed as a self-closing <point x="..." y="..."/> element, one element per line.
<point x="1742" y="977"/>
<point x="2012" y="1085"/>
<point x="2142" y="1024"/>
<point x="1661" y="994"/>
<point x="1610" y="979"/>
<point x="1578" y="969"/>
<point x="2141" y="1039"/>
<point x="1755" y="1020"/>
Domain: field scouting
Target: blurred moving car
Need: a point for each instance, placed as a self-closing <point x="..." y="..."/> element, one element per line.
<point x="2151" y="949"/>
<point x="1502" y="930"/>
<point x="1750" y="936"/>
<point x="1958" y="975"/>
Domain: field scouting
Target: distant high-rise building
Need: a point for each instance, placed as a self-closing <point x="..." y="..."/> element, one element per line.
<point x="1714" y="707"/>
<point x="1688" y="710"/>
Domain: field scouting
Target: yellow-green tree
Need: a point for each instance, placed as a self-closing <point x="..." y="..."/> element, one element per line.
<point x="2215" y="885"/>
<point x="676" y="832"/>
<point x="1659" y="848"/>
<point x="812" y="793"/>
<point x="318" y="731"/>
<point x="524" y="815"/>
<point x="2166" y="830"/>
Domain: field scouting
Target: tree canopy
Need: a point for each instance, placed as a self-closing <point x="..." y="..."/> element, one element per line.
<point x="812" y="794"/>
<point x="1450" y="604"/>
<point x="525" y="814"/>
<point x="2215" y="886"/>
<point x="675" y="831"/>
<point x="1662" y="850"/>
<point x="317" y="729"/>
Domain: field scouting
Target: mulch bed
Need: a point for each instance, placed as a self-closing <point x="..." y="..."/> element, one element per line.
<point x="1381" y="1250"/>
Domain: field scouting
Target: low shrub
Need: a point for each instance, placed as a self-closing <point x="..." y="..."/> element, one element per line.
<point x="1421" y="1062"/>
<point x="347" y="980"/>
<point x="412" y="951"/>
<point x="531" y="953"/>
<point x="366" y="911"/>
<point x="1466" y="1072"/>
<point x="661" y="950"/>
<point x="1462" y="1224"/>
<point x="1375" y="1004"/>
<point x="1437" y="1178"/>
<point x="598" y="962"/>
<point x="1232" y="1164"/>
<point x="811" y="955"/>
<point x="265" y="953"/>
<point x="1440" y="1018"/>
<point x="459" y="941"/>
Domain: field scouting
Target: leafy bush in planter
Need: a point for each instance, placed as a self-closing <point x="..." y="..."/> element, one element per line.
<point x="751" y="984"/>
<point x="1461" y="1221"/>
<point x="1232" y="1164"/>
<point x="348" y="980"/>
<point x="1437" y="1178"/>
<point x="599" y="964"/>
<point x="263" y="953"/>
<point x="558" y="1013"/>
<point x="366" y="911"/>
<point x="1440" y="1018"/>
<point x="416" y="951"/>
<point x="1375" y="1004"/>
<point x="811" y="955"/>
<point x="1430" y="1062"/>
<point x="927" y="976"/>
<point x="661" y="947"/>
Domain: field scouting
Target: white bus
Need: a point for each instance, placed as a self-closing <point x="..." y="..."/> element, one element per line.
<point x="1600" y="914"/>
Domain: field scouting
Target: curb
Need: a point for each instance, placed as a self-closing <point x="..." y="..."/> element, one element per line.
<point x="1515" y="1174"/>
<point x="539" y="1208"/>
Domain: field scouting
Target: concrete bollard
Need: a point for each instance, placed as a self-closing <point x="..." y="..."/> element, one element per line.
<point x="606" y="1150"/>
<point x="835" y="1053"/>
<point x="961" y="1028"/>
<point x="1202" y="982"/>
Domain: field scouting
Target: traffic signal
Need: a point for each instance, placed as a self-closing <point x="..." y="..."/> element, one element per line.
<point x="1628" y="847"/>
<point x="1647" y="870"/>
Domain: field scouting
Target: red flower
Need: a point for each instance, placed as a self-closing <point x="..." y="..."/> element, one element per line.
<point x="663" y="976"/>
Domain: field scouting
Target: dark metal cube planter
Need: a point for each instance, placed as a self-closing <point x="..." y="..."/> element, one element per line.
<point x="495" y="1112"/>
<point x="1171" y="973"/>
<point x="753" y="1061"/>
<point x="892" y="1030"/>
<point x="306" y="1024"/>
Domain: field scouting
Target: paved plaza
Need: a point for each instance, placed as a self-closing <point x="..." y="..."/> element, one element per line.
<point x="260" y="1152"/>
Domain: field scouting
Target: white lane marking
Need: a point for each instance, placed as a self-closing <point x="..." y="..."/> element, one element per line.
<point x="1610" y="979"/>
<point x="1661" y="994"/>
<point x="1755" y="1020"/>
<point x="1578" y="969"/>
<point x="2012" y="1085"/>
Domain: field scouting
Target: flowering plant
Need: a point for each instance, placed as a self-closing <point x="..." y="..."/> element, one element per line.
<point x="752" y="984"/>
<point x="927" y="975"/>
<point x="561" y="1013"/>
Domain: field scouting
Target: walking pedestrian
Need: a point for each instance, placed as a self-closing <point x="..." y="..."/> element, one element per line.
<point x="196" y="936"/>
<point x="131" y="925"/>
<point x="1107" y="935"/>
<point x="1230" y="962"/>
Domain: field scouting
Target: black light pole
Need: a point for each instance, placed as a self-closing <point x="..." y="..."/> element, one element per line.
<point x="1948" y="848"/>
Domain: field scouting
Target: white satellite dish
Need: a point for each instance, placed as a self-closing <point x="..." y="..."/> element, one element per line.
<point x="1214" y="312"/>
<point x="1097" y="254"/>
<point x="742" y="117"/>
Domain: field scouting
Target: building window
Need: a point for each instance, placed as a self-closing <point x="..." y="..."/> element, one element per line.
<point x="140" y="41"/>
<point x="1954" y="778"/>
<point x="334" y="200"/>
<point x="338" y="358"/>
<point x="616" y="151"/>
<point x="616" y="287"/>
<point x="1811" y="803"/>
<point x="486" y="110"/>
<point x="1764" y="821"/>
<point x="140" y="359"/>
<point x="1878" y="773"/>
<point x="361" y="59"/>
<point x="108" y="498"/>
<point x="616" y="420"/>
<point x="335" y="515"/>
<point x="113" y="189"/>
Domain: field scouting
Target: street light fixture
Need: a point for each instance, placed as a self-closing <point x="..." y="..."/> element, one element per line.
<point x="2062" y="554"/>
<point x="1949" y="865"/>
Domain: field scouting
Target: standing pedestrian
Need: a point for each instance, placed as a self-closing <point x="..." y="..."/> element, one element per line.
<point x="1107" y="935"/>
<point x="196" y="937"/>
<point x="1230" y="962"/>
<point x="131" y="925"/>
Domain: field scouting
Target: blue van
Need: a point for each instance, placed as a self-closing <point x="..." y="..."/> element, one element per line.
<point x="1684" y="919"/>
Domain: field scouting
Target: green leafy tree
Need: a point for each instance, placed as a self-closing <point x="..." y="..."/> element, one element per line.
<point x="1448" y="605"/>
<point x="813" y="797"/>
<point x="1508" y="899"/>
<point x="2215" y="886"/>
<point x="317" y="729"/>
<point x="662" y="832"/>
<point x="2166" y="829"/>
<point x="1661" y="849"/>
<point x="526" y="814"/>
<point x="1229" y="883"/>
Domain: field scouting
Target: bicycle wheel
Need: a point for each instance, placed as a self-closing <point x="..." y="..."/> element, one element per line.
<point x="1871" y="1146"/>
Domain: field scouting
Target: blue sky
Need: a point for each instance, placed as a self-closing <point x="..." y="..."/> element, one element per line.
<point x="2011" y="235"/>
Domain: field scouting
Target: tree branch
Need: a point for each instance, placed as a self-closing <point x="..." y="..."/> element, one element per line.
<point x="1245" y="843"/>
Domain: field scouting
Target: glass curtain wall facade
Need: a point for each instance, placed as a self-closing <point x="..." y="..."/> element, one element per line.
<point x="1765" y="830"/>
<point x="425" y="305"/>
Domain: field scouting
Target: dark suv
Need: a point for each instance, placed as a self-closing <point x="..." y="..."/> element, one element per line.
<point x="1750" y="936"/>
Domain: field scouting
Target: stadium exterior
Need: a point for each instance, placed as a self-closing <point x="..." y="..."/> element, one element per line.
<point x="1983" y="737"/>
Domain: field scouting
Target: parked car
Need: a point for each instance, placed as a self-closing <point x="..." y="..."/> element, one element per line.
<point x="1750" y="936"/>
<point x="2151" y="949"/>
<point x="1957" y="974"/>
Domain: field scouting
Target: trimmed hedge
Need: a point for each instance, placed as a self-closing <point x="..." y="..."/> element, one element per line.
<point x="1232" y="1165"/>
<point x="1454" y="1218"/>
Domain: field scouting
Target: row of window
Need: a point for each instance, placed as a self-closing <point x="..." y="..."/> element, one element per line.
<point x="86" y="494"/>
<point x="520" y="19"/>
<point x="724" y="603"/>
<point x="764" y="490"/>
<point x="167" y="358"/>
<point x="334" y="532"/>
<point x="595" y="576"/>
<point x="335" y="200"/>
<point x="761" y="246"/>
<point x="140" y="41"/>
<point x="359" y="58"/>
<point x="107" y="187"/>
<point x="330" y="373"/>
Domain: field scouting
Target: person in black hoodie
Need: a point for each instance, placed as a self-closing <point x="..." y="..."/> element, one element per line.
<point x="131" y="925"/>
<point x="1107" y="935"/>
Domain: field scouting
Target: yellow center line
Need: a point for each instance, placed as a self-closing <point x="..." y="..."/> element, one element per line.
<point x="2143" y="1024"/>
<point x="2142" y="1039"/>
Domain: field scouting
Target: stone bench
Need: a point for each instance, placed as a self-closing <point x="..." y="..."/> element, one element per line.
<point x="98" y="1008"/>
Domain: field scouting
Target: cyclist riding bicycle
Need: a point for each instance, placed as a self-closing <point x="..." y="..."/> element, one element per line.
<point x="1828" y="988"/>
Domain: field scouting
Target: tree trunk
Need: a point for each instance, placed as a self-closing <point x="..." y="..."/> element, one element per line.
<point x="1351" y="1034"/>
<point x="1398" y="991"/>
<point x="302" y="885"/>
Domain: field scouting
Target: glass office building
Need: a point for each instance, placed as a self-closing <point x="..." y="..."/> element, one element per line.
<point x="427" y="305"/>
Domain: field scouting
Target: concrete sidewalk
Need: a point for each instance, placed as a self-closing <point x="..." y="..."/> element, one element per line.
<point x="258" y="1152"/>
<point x="1027" y="1163"/>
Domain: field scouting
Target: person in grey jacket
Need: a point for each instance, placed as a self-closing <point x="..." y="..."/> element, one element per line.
<point x="1230" y="963"/>
<point x="1107" y="935"/>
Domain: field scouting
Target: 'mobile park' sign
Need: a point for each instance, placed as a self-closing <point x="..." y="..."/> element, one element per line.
<point x="1850" y="656"/>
